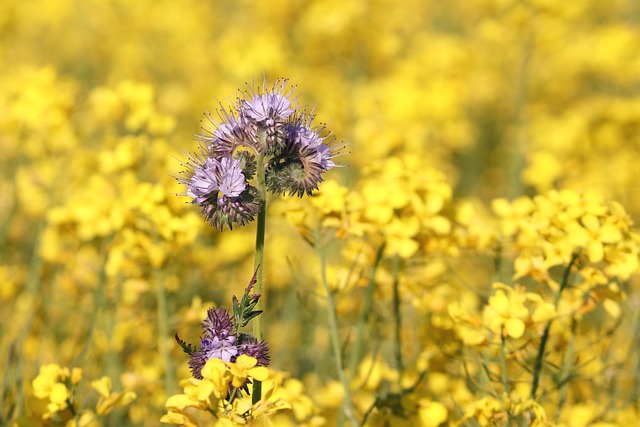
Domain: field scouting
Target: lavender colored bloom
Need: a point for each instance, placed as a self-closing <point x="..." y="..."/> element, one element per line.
<point x="268" y="107"/>
<point x="204" y="180"/>
<point x="211" y="175"/>
<point x="251" y="347"/>
<point x="224" y="349"/>
<point x="305" y="137"/>
<point x="272" y="105"/>
<point x="232" y="180"/>
<point x="220" y="337"/>
<point x="218" y="341"/>
<point x="217" y="324"/>
<point x="267" y="124"/>
<point x="324" y="156"/>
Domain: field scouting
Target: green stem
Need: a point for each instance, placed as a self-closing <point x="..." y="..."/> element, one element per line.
<point x="332" y="318"/>
<point x="364" y="314"/>
<point x="33" y="288"/>
<point x="635" y="391"/>
<point x="565" y="373"/>
<point x="503" y="362"/>
<point x="163" y="331"/>
<point x="258" y="264"/>
<point x="397" y="317"/>
<point x="537" y="367"/>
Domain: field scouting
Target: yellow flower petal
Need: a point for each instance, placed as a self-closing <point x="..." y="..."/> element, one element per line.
<point x="260" y="373"/>
<point x="432" y="414"/>
<point x="514" y="328"/>
<point x="103" y="386"/>
<point x="59" y="393"/>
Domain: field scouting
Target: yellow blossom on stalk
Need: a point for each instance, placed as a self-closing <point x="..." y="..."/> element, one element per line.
<point x="467" y="327"/>
<point x="432" y="414"/>
<point x="263" y="409"/>
<point x="48" y="385"/>
<point x="506" y="312"/>
<point x="245" y="367"/>
<point x="485" y="411"/>
<point x="399" y="237"/>
<point x="110" y="400"/>
<point x="196" y="394"/>
<point x="215" y="371"/>
<point x="178" y="417"/>
<point x="48" y="376"/>
<point x="303" y="407"/>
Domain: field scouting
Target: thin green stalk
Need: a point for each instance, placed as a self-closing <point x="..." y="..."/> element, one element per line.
<point x="258" y="265"/>
<point x="354" y="357"/>
<point x="635" y="391"/>
<point x="537" y="367"/>
<point x="397" y="319"/>
<point x="34" y="291"/>
<point x="163" y="331"/>
<point x="565" y="373"/>
<point x="503" y="362"/>
<point x="332" y="319"/>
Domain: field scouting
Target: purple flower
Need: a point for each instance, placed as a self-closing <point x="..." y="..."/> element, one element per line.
<point x="264" y="124"/>
<point x="217" y="324"/>
<point x="324" y="156"/>
<point x="204" y="180"/>
<point x="220" y="339"/>
<point x="305" y="137"/>
<point x="269" y="106"/>
<point x="212" y="175"/>
<point x="251" y="347"/>
<point x="232" y="180"/>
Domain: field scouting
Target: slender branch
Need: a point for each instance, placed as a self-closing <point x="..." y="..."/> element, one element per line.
<point x="258" y="265"/>
<point x="364" y="314"/>
<point x="537" y="367"/>
<point x="397" y="318"/>
<point x="503" y="361"/>
<point x="163" y="332"/>
<point x="348" y="407"/>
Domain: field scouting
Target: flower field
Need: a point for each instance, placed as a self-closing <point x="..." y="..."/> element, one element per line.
<point x="320" y="213"/>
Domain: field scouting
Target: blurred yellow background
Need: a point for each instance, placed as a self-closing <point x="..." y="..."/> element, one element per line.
<point x="446" y="107"/>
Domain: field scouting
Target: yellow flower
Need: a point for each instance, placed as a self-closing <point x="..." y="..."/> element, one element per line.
<point x="506" y="312"/>
<point x="110" y="400"/>
<point x="399" y="237"/>
<point x="245" y="367"/>
<point x="217" y="377"/>
<point x="177" y="417"/>
<point x="432" y="414"/>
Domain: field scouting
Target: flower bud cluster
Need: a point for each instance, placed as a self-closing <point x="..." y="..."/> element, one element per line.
<point x="221" y="338"/>
<point x="264" y="125"/>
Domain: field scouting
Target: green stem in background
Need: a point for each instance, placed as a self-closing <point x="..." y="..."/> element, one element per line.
<point x="397" y="318"/>
<point x="635" y="391"/>
<point x="258" y="265"/>
<point x="503" y="361"/>
<point x="163" y="332"/>
<point x="334" y="334"/>
<point x="33" y="290"/>
<point x="567" y="364"/>
<point x="354" y="357"/>
<point x="537" y="367"/>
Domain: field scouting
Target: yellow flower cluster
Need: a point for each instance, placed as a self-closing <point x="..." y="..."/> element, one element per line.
<point x="54" y="398"/>
<point x="211" y="395"/>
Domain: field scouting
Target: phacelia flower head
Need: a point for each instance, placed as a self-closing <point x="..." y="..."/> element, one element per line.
<point x="265" y="124"/>
<point x="221" y="339"/>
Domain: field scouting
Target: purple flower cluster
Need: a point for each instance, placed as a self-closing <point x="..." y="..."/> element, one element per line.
<point x="265" y="124"/>
<point x="219" y="341"/>
<point x="221" y="338"/>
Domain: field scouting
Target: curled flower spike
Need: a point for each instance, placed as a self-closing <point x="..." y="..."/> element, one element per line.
<point x="221" y="338"/>
<point x="267" y="124"/>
